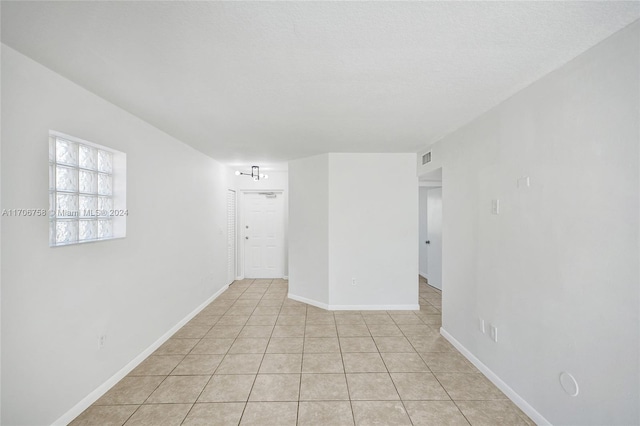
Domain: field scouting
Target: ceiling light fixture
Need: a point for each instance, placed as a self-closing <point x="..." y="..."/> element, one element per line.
<point x="255" y="173"/>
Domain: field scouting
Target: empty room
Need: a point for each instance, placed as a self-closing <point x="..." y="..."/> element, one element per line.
<point x="320" y="213"/>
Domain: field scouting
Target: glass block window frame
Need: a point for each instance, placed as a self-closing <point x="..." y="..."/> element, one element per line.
<point x="87" y="191"/>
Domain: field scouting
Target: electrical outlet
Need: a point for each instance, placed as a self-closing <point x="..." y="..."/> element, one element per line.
<point x="483" y="330"/>
<point x="353" y="281"/>
<point x="102" y="339"/>
<point x="493" y="332"/>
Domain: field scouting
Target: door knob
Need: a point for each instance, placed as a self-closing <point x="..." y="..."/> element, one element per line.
<point x="246" y="238"/>
<point x="427" y="242"/>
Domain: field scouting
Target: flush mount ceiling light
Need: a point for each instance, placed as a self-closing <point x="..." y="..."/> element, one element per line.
<point x="255" y="173"/>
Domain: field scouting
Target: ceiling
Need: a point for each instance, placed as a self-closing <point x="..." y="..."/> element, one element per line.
<point x="264" y="82"/>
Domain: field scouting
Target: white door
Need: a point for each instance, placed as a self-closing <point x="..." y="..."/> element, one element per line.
<point x="263" y="235"/>
<point x="434" y="237"/>
<point x="231" y="236"/>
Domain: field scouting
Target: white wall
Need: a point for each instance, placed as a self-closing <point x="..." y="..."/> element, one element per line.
<point x="278" y="181"/>
<point x="354" y="216"/>
<point x="422" y="231"/>
<point x="309" y="229"/>
<point x="57" y="301"/>
<point x="557" y="269"/>
<point x="373" y="223"/>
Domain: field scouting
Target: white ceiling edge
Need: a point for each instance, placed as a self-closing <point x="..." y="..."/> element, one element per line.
<point x="428" y="146"/>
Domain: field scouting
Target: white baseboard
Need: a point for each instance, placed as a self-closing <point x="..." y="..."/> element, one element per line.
<point x="77" y="409"/>
<point x="308" y="301"/>
<point x="493" y="377"/>
<point x="374" y="307"/>
<point x="353" y="307"/>
<point x="286" y="277"/>
<point x="423" y="275"/>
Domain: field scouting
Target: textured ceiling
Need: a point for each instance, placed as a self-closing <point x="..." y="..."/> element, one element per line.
<point x="273" y="81"/>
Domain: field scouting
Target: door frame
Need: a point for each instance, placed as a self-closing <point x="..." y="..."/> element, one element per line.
<point x="241" y="203"/>
<point x="235" y="243"/>
<point x="437" y="180"/>
<point x="431" y="249"/>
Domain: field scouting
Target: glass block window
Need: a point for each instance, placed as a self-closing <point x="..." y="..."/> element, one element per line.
<point x="87" y="185"/>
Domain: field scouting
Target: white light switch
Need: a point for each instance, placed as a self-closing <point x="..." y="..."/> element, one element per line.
<point x="523" y="182"/>
<point x="493" y="332"/>
<point x="495" y="206"/>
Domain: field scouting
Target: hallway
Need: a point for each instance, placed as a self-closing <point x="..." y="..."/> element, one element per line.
<point x="254" y="357"/>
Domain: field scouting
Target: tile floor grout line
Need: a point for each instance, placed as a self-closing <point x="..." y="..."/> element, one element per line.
<point x="353" y="414"/>
<point x="446" y="391"/>
<point x="247" y="401"/>
<point x="256" y="376"/>
<point x="301" y="364"/>
<point x="131" y="415"/>
<point x="223" y="355"/>
<point x="215" y="369"/>
<point x="416" y="351"/>
<point x="391" y="378"/>
<point x="261" y="360"/>
<point x="461" y="412"/>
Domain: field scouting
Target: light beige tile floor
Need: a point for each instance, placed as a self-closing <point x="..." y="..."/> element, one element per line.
<point x="255" y="357"/>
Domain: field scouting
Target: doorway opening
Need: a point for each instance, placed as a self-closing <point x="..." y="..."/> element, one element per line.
<point x="430" y="228"/>
<point x="262" y="229"/>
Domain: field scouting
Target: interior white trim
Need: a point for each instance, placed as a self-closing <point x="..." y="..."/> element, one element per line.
<point x="430" y="183"/>
<point x="493" y="377"/>
<point x="308" y="301"/>
<point x="354" y="307"/>
<point x="77" y="409"/>
<point x="415" y="307"/>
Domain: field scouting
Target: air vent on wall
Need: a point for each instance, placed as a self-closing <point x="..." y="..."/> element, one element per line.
<point x="426" y="158"/>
